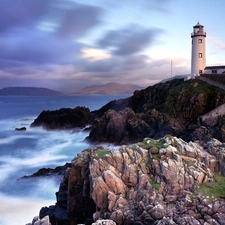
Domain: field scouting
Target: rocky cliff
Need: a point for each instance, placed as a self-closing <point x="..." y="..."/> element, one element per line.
<point x="162" y="182"/>
<point x="175" y="107"/>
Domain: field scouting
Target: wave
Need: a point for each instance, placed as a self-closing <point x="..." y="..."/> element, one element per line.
<point x="20" y="210"/>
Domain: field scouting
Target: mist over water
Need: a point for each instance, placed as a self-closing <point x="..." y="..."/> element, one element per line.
<point x="24" y="152"/>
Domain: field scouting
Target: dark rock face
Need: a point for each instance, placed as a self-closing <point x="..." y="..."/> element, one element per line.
<point x="74" y="204"/>
<point x="128" y="127"/>
<point x="59" y="170"/>
<point x="174" y="107"/>
<point x="21" y="129"/>
<point x="165" y="108"/>
<point x="64" y="118"/>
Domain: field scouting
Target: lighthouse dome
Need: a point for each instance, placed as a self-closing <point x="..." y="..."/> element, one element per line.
<point x="198" y="25"/>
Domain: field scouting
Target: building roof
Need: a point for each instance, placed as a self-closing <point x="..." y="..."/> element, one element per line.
<point x="214" y="67"/>
<point x="198" y="25"/>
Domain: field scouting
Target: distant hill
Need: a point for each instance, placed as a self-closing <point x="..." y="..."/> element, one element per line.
<point x="108" y="89"/>
<point x="33" y="91"/>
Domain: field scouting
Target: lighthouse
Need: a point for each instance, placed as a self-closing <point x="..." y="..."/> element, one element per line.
<point x="198" y="56"/>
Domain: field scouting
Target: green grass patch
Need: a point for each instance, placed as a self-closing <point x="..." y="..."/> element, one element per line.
<point x="189" y="162"/>
<point x="149" y="143"/>
<point x="215" y="189"/>
<point x="155" y="185"/>
<point x="148" y="165"/>
<point x="101" y="153"/>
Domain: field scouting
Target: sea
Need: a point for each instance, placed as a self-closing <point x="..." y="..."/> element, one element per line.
<point x="24" y="152"/>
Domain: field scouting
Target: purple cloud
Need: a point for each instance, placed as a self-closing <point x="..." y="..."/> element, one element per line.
<point x="130" y="40"/>
<point x="22" y="13"/>
<point x="78" y="19"/>
<point x="37" y="48"/>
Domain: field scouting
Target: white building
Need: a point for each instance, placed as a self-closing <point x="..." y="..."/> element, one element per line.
<point x="198" y="56"/>
<point x="214" y="70"/>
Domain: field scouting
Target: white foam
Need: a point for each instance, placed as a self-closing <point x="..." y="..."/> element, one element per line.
<point x="20" y="210"/>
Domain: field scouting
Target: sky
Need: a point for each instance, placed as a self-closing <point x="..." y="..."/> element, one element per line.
<point x="66" y="45"/>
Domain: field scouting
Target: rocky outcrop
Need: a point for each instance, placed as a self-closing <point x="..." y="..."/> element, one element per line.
<point x="20" y="128"/>
<point x="150" y="182"/>
<point x="45" y="172"/>
<point x="64" y="118"/>
<point x="37" y="221"/>
<point x="174" y="107"/>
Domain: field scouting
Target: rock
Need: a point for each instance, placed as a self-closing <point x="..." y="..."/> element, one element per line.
<point x="112" y="200"/>
<point x="104" y="222"/>
<point x="132" y="185"/>
<point x="178" y="110"/>
<point x="37" y="221"/>
<point x="158" y="212"/>
<point x="118" y="217"/>
<point x="64" y="118"/>
<point x="21" y="129"/>
<point x="114" y="183"/>
<point x="100" y="193"/>
<point x="59" y="170"/>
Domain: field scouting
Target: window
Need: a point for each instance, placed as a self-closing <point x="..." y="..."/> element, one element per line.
<point x="199" y="40"/>
<point x="200" y="71"/>
<point x="214" y="71"/>
<point x="200" y="55"/>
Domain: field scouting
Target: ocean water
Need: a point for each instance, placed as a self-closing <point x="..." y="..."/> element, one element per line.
<point x="25" y="152"/>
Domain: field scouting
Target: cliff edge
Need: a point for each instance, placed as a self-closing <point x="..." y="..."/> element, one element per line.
<point x="174" y="107"/>
<point x="160" y="182"/>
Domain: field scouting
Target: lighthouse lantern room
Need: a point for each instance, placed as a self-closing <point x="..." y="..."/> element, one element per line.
<point x="198" y="56"/>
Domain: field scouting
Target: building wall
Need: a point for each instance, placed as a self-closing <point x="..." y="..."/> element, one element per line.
<point x="210" y="71"/>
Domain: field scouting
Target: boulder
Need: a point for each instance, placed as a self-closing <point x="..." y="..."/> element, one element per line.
<point x="21" y="129"/>
<point x="64" y="118"/>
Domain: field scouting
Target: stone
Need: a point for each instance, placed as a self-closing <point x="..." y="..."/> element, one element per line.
<point x="118" y="217"/>
<point x="158" y="212"/>
<point x="43" y="221"/>
<point x="112" y="200"/>
<point x="104" y="222"/>
<point x="113" y="182"/>
<point x="100" y="193"/>
<point x="64" y="118"/>
<point x="21" y="129"/>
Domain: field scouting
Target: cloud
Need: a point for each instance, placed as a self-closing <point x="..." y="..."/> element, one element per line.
<point x="37" y="48"/>
<point x="42" y="32"/>
<point x="78" y="19"/>
<point x="22" y="13"/>
<point x="52" y="43"/>
<point x="94" y="54"/>
<point x="219" y="45"/>
<point x="67" y="18"/>
<point x="130" y="40"/>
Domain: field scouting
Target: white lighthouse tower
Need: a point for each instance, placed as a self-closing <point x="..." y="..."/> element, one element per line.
<point x="198" y="56"/>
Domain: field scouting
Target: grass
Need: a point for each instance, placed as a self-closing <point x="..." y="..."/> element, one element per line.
<point x="148" y="165"/>
<point x="215" y="189"/>
<point x="155" y="185"/>
<point x="153" y="146"/>
<point x="101" y="153"/>
<point x="189" y="162"/>
<point x="149" y="143"/>
<point x="187" y="90"/>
